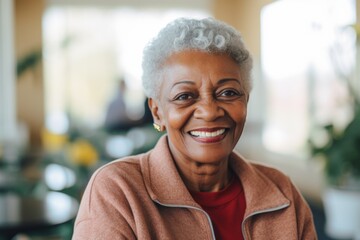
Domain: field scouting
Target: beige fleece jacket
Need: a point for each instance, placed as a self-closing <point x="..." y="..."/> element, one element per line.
<point x="143" y="197"/>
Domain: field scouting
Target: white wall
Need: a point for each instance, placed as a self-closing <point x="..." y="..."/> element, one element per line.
<point x="7" y="73"/>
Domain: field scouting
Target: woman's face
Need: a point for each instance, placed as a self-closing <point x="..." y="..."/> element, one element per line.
<point x="202" y="105"/>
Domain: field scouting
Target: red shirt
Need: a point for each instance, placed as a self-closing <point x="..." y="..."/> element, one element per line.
<point x="225" y="208"/>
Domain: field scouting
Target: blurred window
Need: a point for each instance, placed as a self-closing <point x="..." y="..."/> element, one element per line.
<point x="306" y="46"/>
<point x="87" y="50"/>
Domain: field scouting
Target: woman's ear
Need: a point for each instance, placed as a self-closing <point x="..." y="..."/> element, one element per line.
<point x="155" y="110"/>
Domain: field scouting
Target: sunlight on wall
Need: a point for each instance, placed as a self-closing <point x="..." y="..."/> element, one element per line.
<point x="87" y="50"/>
<point x="298" y="42"/>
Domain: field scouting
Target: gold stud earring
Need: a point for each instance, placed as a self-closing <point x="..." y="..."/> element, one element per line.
<point x="157" y="127"/>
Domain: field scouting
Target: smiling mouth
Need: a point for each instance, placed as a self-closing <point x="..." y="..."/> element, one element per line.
<point x="208" y="134"/>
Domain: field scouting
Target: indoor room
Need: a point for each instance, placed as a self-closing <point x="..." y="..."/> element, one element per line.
<point x="72" y="101"/>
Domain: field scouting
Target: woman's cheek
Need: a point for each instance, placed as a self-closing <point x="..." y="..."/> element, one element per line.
<point x="176" y="119"/>
<point x="239" y="115"/>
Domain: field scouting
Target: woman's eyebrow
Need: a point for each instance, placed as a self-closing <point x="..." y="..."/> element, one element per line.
<point x="183" y="82"/>
<point x="225" y="80"/>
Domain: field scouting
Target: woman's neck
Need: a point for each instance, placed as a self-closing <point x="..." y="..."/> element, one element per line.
<point x="205" y="177"/>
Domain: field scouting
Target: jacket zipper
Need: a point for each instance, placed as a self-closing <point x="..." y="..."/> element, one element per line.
<point x="191" y="207"/>
<point x="260" y="212"/>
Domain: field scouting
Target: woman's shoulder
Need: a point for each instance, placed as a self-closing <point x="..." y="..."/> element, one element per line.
<point x="256" y="166"/>
<point x="260" y="170"/>
<point x="125" y="164"/>
<point x="120" y="172"/>
<point x="275" y="176"/>
<point x="269" y="170"/>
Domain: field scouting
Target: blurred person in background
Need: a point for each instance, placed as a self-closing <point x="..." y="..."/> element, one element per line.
<point x="116" y="118"/>
<point x="192" y="185"/>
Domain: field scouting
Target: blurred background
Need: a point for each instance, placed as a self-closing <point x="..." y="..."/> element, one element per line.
<point x="65" y="65"/>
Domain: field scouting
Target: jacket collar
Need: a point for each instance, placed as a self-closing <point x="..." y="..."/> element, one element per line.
<point x="261" y="193"/>
<point x="165" y="185"/>
<point x="162" y="178"/>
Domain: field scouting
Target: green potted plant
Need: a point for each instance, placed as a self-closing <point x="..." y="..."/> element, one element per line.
<point x="341" y="198"/>
<point x="340" y="153"/>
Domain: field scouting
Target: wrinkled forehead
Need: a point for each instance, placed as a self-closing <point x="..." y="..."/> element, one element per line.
<point x="192" y="66"/>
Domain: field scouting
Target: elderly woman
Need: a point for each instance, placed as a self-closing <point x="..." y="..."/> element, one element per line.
<point x="192" y="185"/>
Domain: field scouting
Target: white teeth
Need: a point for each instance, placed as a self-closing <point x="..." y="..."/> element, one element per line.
<point x="207" y="134"/>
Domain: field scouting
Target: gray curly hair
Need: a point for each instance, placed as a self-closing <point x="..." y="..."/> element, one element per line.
<point x="206" y="35"/>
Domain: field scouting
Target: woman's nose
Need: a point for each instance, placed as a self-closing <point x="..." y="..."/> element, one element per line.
<point x="208" y="110"/>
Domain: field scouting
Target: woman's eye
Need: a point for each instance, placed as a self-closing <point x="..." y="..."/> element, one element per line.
<point x="183" y="97"/>
<point x="229" y="93"/>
